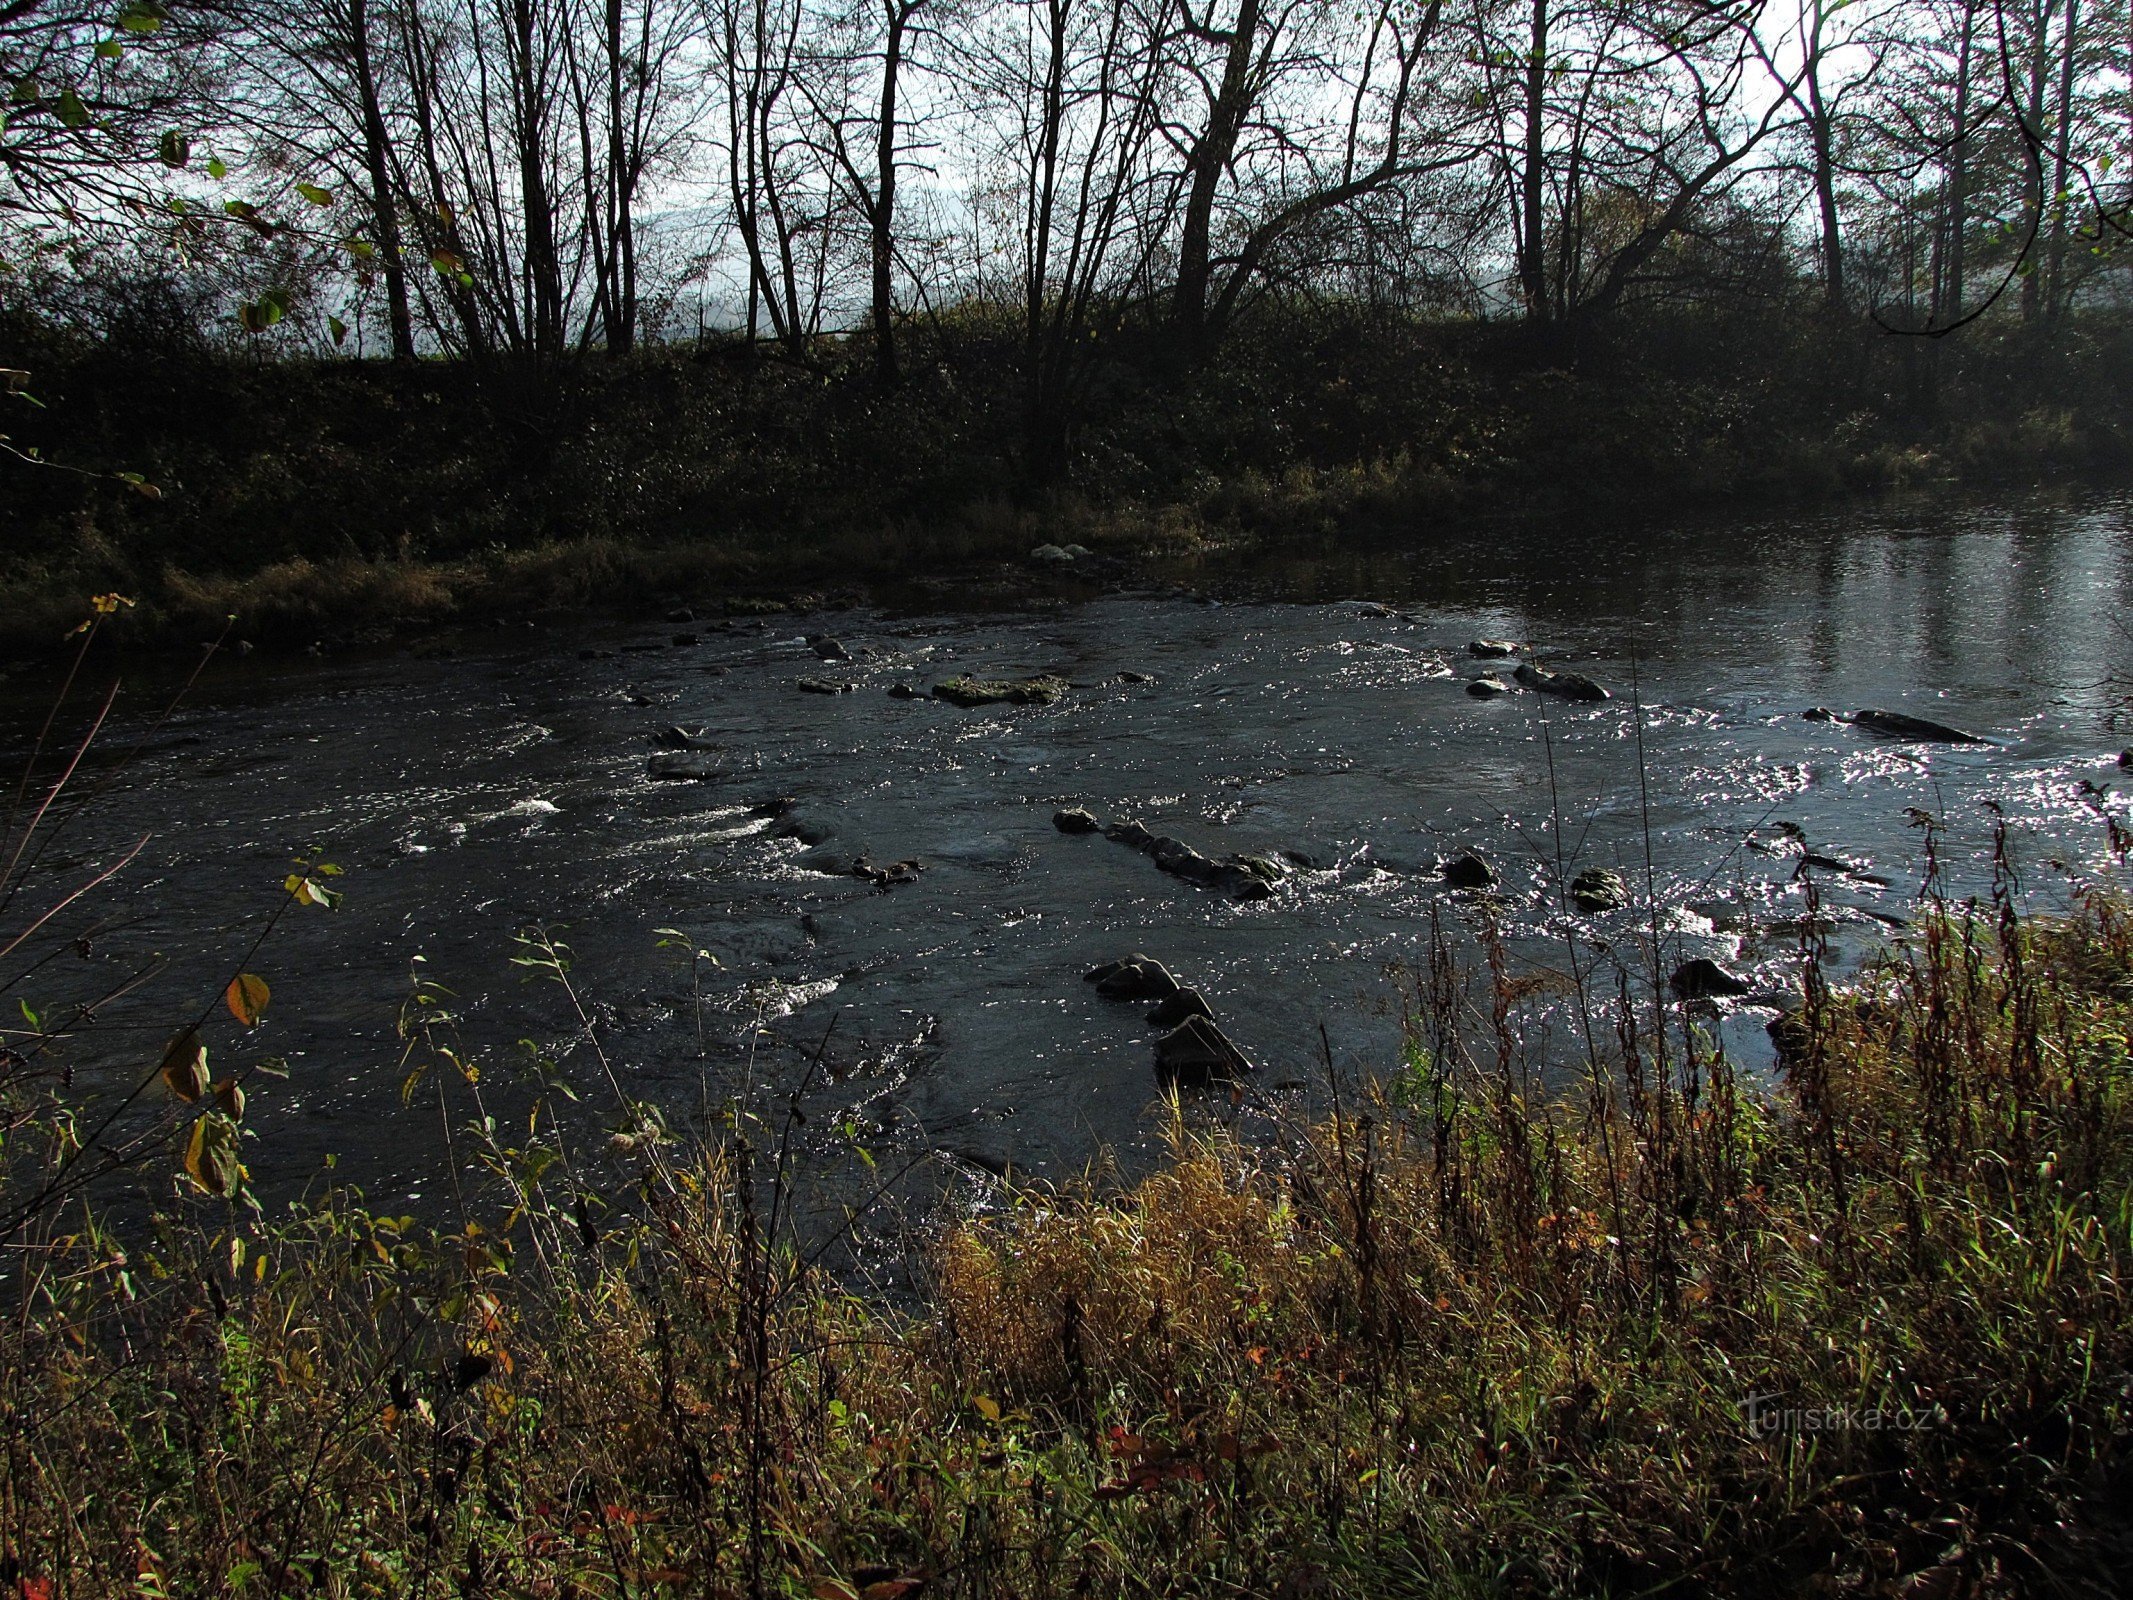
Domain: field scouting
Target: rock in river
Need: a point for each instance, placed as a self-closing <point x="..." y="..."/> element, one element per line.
<point x="826" y="648"/>
<point x="1901" y="725"/>
<point x="1180" y="1007"/>
<point x="1196" y="1052"/>
<point x="1570" y="685"/>
<point x="1493" y="649"/>
<point x="676" y="738"/>
<point x="1038" y="691"/>
<point x="1487" y="688"/>
<point x="1469" y="869"/>
<point x="905" y="691"/>
<point x="825" y="686"/>
<point x="1705" y="979"/>
<point x="1137" y="977"/>
<point x="1242" y="877"/>
<point x="1076" y="819"/>
<point x="684" y="767"/>
<point x="1599" y="889"/>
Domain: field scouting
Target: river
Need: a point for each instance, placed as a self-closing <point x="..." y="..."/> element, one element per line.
<point x="1319" y="715"/>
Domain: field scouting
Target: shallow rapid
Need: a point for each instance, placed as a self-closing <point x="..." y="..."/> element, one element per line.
<point x="1324" y="724"/>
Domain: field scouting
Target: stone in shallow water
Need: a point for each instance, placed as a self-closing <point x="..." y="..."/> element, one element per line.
<point x="1487" y="688"/>
<point x="1902" y="725"/>
<point x="1469" y="869"/>
<point x="1705" y="979"/>
<point x="825" y="686"/>
<point x="684" y="767"/>
<point x="1492" y="649"/>
<point x="1180" y="1007"/>
<point x="1138" y="977"/>
<point x="1599" y="889"/>
<point x="1570" y="685"/>
<point x="1038" y="691"/>
<point x="1076" y="819"/>
<point x="1196" y="1053"/>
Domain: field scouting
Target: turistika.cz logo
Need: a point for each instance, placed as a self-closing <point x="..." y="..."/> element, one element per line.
<point x="1769" y="1414"/>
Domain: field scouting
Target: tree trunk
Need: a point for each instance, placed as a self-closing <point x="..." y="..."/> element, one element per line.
<point x="384" y="209"/>
<point x="2062" y="166"/>
<point x="1210" y="158"/>
<point x="1532" y="244"/>
<point x="883" y="221"/>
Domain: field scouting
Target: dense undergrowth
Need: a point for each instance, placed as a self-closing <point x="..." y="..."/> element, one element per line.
<point x="323" y="499"/>
<point x="1859" y="1331"/>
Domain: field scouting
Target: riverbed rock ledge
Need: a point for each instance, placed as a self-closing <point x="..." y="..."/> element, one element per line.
<point x="1570" y="685"/>
<point x="1902" y="725"/>
<point x="968" y="692"/>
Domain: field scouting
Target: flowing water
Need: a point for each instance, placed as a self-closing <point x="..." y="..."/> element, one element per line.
<point x="1320" y="713"/>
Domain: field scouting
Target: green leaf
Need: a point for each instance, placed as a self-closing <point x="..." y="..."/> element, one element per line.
<point x="338" y="328"/>
<point x="109" y="49"/>
<point x="447" y="263"/>
<point x="142" y="16"/>
<point x="71" y="111"/>
<point x="313" y="193"/>
<point x="27" y="91"/>
<point x="174" y="149"/>
<point x="217" y="168"/>
<point x="362" y="249"/>
<point x="211" y="1155"/>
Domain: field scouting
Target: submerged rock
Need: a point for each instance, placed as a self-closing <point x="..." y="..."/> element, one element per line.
<point x="679" y="738"/>
<point x="1790" y="1038"/>
<point x="1902" y="725"/>
<point x="1051" y="555"/>
<point x="1821" y="714"/>
<point x="826" y="648"/>
<point x="1076" y="819"/>
<point x="888" y="877"/>
<point x="1038" y="691"/>
<point x="1196" y="1052"/>
<point x="1570" y="685"/>
<point x="1469" y="869"/>
<point x="1127" y="831"/>
<point x="1180" y="1007"/>
<point x="825" y="686"/>
<point x="1599" y="889"/>
<point x="1137" y="977"/>
<point x="1487" y="688"/>
<point x="1705" y="979"/>
<point x="684" y="767"/>
<point x="1136" y="677"/>
<point x="1493" y="649"/>
<point x="905" y="691"/>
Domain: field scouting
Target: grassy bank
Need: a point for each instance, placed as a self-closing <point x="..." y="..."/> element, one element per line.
<point x="346" y="499"/>
<point x="1862" y="1331"/>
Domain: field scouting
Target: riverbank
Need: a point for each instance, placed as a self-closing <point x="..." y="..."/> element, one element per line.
<point x="1862" y="1332"/>
<point x="336" y="503"/>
